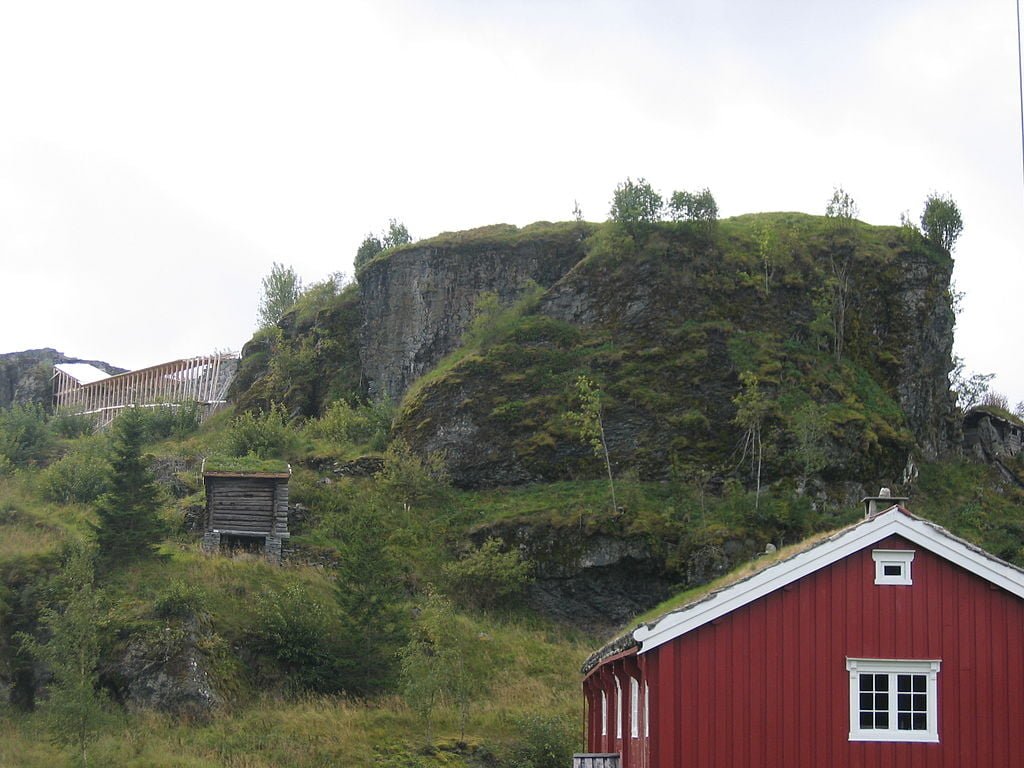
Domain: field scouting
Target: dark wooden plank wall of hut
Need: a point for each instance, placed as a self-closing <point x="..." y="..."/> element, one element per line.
<point x="245" y="504"/>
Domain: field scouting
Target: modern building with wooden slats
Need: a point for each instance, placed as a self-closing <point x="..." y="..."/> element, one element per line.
<point x="890" y="643"/>
<point x="201" y="380"/>
<point x="246" y="503"/>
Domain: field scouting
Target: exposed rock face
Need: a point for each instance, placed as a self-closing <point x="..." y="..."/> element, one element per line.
<point x="417" y="303"/>
<point x="25" y="376"/>
<point x="168" y="675"/>
<point x="592" y="581"/>
<point x="599" y="580"/>
<point x="666" y="331"/>
<point x="920" y="317"/>
<point x="672" y="329"/>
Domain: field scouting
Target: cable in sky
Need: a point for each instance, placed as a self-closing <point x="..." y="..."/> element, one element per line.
<point x="1020" y="90"/>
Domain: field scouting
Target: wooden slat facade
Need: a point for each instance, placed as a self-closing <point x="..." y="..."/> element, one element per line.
<point x="203" y="380"/>
<point x="248" y="505"/>
<point x="258" y="505"/>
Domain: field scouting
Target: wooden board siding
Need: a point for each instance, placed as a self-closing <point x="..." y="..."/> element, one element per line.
<point x="256" y="505"/>
<point x="767" y="685"/>
<point x="633" y="749"/>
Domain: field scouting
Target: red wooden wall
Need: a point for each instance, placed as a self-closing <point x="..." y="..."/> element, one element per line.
<point x="767" y="684"/>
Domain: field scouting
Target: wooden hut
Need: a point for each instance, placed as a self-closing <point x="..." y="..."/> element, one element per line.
<point x="246" y="499"/>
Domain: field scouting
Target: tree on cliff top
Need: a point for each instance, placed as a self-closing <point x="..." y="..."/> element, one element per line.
<point x="281" y="289"/>
<point x="941" y="221"/>
<point x="635" y="207"/>
<point x="396" y="234"/>
<point x="129" y="526"/>
<point x="699" y="207"/>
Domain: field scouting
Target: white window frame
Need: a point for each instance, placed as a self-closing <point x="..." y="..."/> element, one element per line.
<point x="604" y="713"/>
<point x="634" y="708"/>
<point x="893" y="668"/>
<point x="893" y="559"/>
<point x="618" y="708"/>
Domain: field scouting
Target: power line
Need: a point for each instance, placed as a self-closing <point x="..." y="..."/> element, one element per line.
<point x="1020" y="89"/>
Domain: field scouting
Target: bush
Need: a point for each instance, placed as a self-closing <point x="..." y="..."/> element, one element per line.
<point x="82" y="476"/>
<point x="636" y="207"/>
<point x="265" y="434"/>
<point x="356" y="425"/>
<point x="297" y="632"/>
<point x="180" y="600"/>
<point x="941" y="221"/>
<point x="694" y="206"/>
<point x="544" y="741"/>
<point x="487" y="576"/>
<point x="160" y="422"/>
<point x="25" y="435"/>
<point x="70" y="425"/>
<point x="413" y="480"/>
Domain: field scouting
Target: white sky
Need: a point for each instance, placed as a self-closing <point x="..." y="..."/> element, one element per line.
<point x="156" y="158"/>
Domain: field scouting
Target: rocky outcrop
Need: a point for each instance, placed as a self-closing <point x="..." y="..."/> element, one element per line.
<point x="166" y="671"/>
<point x="597" y="580"/>
<point x="25" y="376"/>
<point x="594" y="581"/>
<point x="418" y="301"/>
<point x="667" y="332"/>
<point x="919" y="319"/>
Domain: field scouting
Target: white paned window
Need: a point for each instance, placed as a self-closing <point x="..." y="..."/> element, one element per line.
<point x="634" y="708"/>
<point x="647" y="711"/>
<point x="893" y="699"/>
<point x="604" y="713"/>
<point x="892" y="566"/>
<point x="618" y="709"/>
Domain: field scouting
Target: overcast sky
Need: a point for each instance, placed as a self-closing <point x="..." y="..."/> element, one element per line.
<point x="157" y="158"/>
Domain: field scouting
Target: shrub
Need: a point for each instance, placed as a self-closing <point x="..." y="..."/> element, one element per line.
<point x="347" y="424"/>
<point x="413" y="480"/>
<point x="70" y="425"/>
<point x="160" y="422"/>
<point x="695" y="206"/>
<point x="941" y="221"/>
<point x="297" y="632"/>
<point x="82" y="476"/>
<point x="264" y="434"/>
<point x="178" y="601"/>
<point x="25" y="435"/>
<point x="544" y="741"/>
<point x="487" y="576"/>
<point x="636" y="207"/>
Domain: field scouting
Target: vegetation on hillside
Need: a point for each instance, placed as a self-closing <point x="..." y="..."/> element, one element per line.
<point x="705" y="411"/>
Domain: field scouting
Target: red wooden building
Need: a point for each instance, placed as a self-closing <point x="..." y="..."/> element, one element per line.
<point x="891" y="643"/>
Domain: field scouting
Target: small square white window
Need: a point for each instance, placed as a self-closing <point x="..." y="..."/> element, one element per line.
<point x="892" y="566"/>
<point x="893" y="699"/>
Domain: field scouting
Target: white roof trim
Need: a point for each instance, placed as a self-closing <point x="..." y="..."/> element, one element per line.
<point x="894" y="520"/>
<point x="83" y="373"/>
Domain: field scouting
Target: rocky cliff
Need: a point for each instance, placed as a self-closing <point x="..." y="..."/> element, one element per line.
<point x="418" y="301"/>
<point x="848" y="331"/>
<point x="25" y="376"/>
<point x="666" y="331"/>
